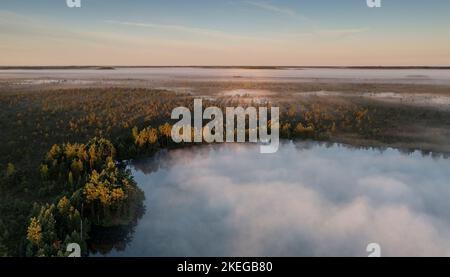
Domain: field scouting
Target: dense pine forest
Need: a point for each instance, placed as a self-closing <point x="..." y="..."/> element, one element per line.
<point x="63" y="151"/>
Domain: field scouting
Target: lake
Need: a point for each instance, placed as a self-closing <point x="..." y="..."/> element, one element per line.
<point x="308" y="199"/>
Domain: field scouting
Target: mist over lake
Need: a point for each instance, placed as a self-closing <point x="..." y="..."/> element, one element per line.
<point x="308" y="199"/>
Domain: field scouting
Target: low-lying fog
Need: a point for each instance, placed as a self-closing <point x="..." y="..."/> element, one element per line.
<point x="305" y="200"/>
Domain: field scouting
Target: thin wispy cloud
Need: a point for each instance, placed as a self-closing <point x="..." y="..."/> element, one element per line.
<point x="326" y="33"/>
<point x="340" y="32"/>
<point x="18" y="29"/>
<point x="181" y="28"/>
<point x="272" y="8"/>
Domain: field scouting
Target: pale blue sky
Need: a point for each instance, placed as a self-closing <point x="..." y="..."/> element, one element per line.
<point x="225" y="32"/>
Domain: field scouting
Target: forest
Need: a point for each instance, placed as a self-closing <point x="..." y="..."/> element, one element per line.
<point x="63" y="155"/>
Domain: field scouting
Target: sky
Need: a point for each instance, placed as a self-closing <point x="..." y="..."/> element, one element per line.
<point x="225" y="32"/>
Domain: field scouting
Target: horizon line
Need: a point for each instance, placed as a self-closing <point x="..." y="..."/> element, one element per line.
<point x="5" y="67"/>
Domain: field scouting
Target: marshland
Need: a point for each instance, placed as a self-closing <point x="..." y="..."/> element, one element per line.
<point x="363" y="156"/>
